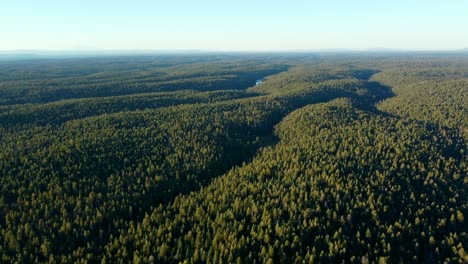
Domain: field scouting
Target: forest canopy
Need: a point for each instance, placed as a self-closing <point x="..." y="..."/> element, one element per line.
<point x="358" y="158"/>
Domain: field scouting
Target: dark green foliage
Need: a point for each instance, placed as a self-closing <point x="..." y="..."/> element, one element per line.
<point x="112" y="77"/>
<point x="172" y="159"/>
<point x="433" y="95"/>
<point x="65" y="110"/>
<point x="339" y="185"/>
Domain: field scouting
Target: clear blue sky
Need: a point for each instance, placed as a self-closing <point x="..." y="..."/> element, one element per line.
<point x="233" y="25"/>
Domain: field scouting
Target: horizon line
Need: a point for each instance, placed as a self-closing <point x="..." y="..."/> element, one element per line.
<point x="227" y="50"/>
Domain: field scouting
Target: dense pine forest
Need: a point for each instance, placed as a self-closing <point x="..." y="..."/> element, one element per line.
<point x="332" y="158"/>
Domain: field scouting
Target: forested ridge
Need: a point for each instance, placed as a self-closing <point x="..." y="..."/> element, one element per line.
<point x="168" y="159"/>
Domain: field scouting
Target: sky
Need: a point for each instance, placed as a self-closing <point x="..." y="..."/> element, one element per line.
<point x="234" y="25"/>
